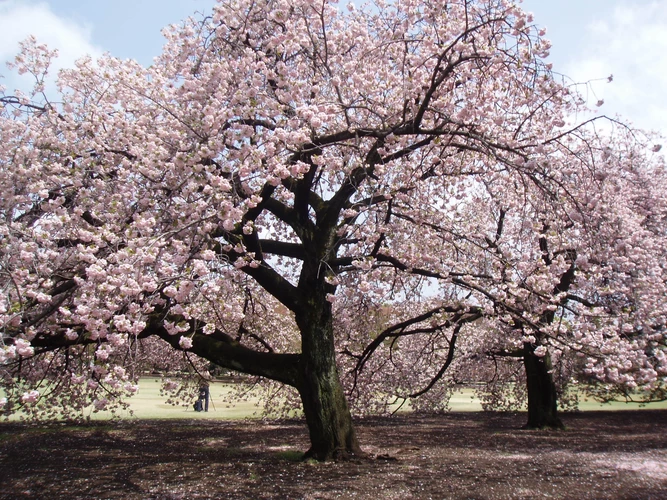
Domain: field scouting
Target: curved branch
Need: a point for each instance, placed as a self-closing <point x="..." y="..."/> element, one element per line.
<point x="448" y="361"/>
<point x="223" y="350"/>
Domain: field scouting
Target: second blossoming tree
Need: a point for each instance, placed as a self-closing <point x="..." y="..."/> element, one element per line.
<point x="547" y="286"/>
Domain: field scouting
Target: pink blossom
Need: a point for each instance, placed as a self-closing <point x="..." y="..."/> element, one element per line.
<point x="23" y="348"/>
<point x="30" y="397"/>
<point x="102" y="353"/>
<point x="170" y="385"/>
<point x="100" y="404"/>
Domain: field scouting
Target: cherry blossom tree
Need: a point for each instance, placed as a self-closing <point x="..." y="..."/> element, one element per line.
<point x="568" y="280"/>
<point x="278" y="161"/>
<point x="587" y="294"/>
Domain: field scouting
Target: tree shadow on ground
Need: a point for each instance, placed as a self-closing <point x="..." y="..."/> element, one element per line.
<point x="612" y="455"/>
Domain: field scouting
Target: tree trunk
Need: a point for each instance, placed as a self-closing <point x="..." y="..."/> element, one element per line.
<point x="542" y="397"/>
<point x="332" y="434"/>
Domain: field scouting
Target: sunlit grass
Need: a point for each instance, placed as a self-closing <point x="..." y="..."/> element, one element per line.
<point x="587" y="404"/>
<point x="149" y="404"/>
<point x="464" y="399"/>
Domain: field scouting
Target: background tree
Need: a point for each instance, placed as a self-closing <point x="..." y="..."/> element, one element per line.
<point x="567" y="279"/>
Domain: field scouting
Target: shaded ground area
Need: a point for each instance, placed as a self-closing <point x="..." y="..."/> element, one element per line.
<point x="602" y="455"/>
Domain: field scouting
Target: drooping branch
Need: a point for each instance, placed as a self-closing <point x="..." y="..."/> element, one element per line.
<point x="225" y="351"/>
<point x="457" y="314"/>
<point x="446" y="364"/>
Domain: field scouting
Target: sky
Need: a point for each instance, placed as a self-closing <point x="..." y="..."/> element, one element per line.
<point x="592" y="39"/>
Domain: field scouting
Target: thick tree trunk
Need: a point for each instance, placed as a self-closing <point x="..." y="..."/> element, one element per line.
<point x="542" y="396"/>
<point x="332" y="434"/>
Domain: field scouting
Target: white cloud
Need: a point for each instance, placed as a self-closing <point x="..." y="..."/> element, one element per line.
<point x="20" y="18"/>
<point x="630" y="43"/>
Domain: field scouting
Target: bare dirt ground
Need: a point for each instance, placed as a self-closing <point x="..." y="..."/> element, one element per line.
<point x="601" y="455"/>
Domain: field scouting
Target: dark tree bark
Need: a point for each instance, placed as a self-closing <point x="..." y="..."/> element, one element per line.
<point x="332" y="434"/>
<point x="542" y="396"/>
<point x="325" y="406"/>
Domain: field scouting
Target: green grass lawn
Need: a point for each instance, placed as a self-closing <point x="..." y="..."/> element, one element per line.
<point x="592" y="405"/>
<point x="149" y="404"/>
